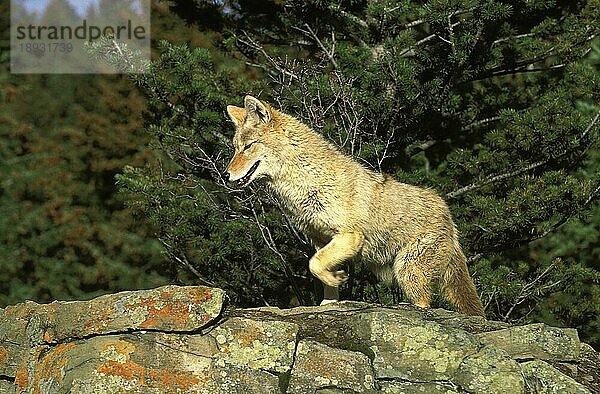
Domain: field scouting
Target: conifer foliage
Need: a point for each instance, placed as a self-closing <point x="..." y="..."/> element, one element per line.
<point x="494" y="104"/>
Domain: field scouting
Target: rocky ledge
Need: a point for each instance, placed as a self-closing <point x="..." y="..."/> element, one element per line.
<point x="182" y="340"/>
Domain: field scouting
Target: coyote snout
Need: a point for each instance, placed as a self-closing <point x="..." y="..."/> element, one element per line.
<point x="403" y="232"/>
<point x="241" y="170"/>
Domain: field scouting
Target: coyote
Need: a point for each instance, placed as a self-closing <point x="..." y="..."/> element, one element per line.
<point x="402" y="232"/>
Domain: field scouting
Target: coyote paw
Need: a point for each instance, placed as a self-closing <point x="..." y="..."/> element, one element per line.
<point x="330" y="278"/>
<point x="335" y="278"/>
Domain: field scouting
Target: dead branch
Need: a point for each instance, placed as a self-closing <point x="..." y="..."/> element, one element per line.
<point x="268" y="238"/>
<point x="529" y="289"/>
<point x="184" y="262"/>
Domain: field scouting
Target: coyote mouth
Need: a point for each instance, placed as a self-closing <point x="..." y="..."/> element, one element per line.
<point x="245" y="180"/>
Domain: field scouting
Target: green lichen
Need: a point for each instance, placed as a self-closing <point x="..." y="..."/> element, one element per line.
<point x="265" y="346"/>
<point x="542" y="377"/>
<point x="491" y="371"/>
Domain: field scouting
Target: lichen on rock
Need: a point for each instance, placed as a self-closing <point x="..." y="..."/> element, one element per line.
<point x="541" y="377"/>
<point x="536" y="341"/>
<point x="318" y="366"/>
<point x="267" y="345"/>
<point x="417" y="350"/>
<point x="490" y="370"/>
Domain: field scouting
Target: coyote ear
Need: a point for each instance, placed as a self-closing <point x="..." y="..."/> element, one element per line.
<point x="256" y="110"/>
<point x="236" y="114"/>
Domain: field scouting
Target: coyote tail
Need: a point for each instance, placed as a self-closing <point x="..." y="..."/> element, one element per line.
<point x="458" y="287"/>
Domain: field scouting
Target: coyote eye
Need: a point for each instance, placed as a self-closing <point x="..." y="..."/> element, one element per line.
<point x="247" y="146"/>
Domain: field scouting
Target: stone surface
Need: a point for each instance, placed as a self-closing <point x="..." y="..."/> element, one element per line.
<point x="154" y="362"/>
<point x="536" y="341"/>
<point x="418" y="388"/>
<point x="472" y="324"/>
<point x="14" y="338"/>
<point x="7" y="387"/>
<point x="319" y="367"/>
<point x="267" y="345"/>
<point x="588" y="367"/>
<point x="179" y="340"/>
<point x="149" y="362"/>
<point x="416" y="349"/>
<point x="492" y="371"/>
<point x="541" y="377"/>
<point x="233" y="379"/>
<point x="168" y="308"/>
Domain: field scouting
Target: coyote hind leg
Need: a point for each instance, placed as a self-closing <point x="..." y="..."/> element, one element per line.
<point x="415" y="268"/>
<point x="417" y="287"/>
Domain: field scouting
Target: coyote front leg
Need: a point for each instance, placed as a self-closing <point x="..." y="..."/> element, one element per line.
<point x="341" y="247"/>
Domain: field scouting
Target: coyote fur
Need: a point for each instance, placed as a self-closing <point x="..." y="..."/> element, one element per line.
<point x="401" y="231"/>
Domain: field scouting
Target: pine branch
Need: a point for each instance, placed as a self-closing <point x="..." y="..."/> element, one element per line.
<point x="527" y="69"/>
<point x="413" y="23"/>
<point x="118" y="55"/>
<point x="410" y="50"/>
<point x="522" y="241"/>
<point x="516" y="37"/>
<point x="250" y="43"/>
<point x="592" y="197"/>
<point x="146" y="84"/>
<point x="410" y="151"/>
<point x="522" y="170"/>
<point x="184" y="262"/>
<point x="529" y="289"/>
<point x="485" y="121"/>
<point x="451" y="35"/>
<point x="529" y="64"/>
<point x="335" y="10"/>
<point x="480" y="122"/>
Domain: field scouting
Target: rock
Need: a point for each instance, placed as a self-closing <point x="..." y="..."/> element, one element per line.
<point x="416" y="349"/>
<point x="588" y="366"/>
<point x="269" y="346"/>
<point x="7" y="387"/>
<point x="541" y="377"/>
<point x="319" y="367"/>
<point x="536" y="341"/>
<point x="236" y="379"/>
<point x="14" y="335"/>
<point x="472" y="324"/>
<point x="168" y="308"/>
<point x="491" y="371"/>
<point x="150" y="362"/>
<point x="113" y="362"/>
<point x="418" y="388"/>
<point x="178" y="340"/>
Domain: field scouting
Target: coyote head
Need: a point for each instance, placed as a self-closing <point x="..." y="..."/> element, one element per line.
<point x="257" y="141"/>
